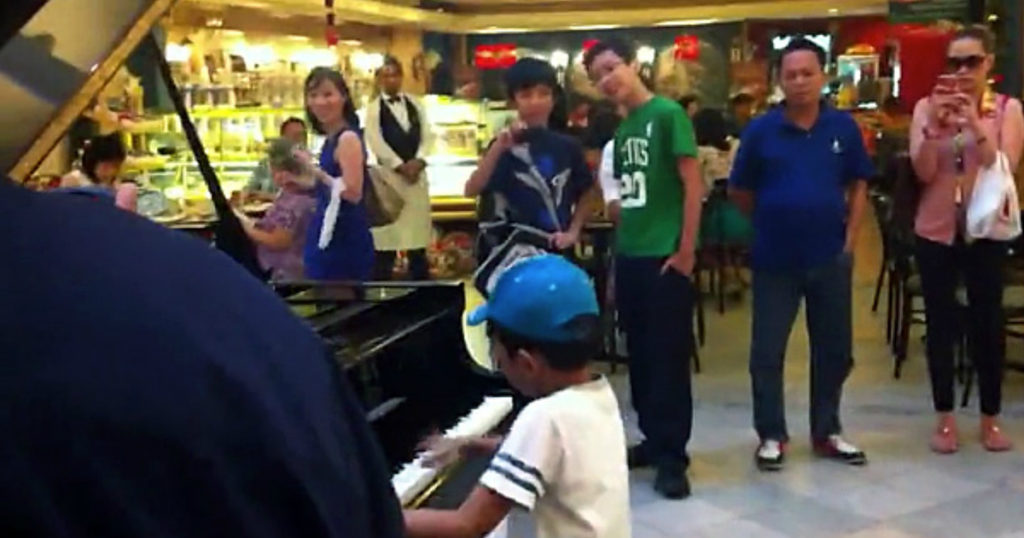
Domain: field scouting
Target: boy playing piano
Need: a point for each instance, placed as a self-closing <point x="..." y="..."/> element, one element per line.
<point x="564" y="458"/>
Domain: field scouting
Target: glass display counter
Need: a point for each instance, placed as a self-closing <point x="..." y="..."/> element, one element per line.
<point x="460" y="131"/>
<point x="234" y="138"/>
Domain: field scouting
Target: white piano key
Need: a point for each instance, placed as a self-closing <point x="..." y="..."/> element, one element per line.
<point x="414" y="476"/>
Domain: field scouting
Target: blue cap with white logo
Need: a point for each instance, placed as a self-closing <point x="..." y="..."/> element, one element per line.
<point x="537" y="297"/>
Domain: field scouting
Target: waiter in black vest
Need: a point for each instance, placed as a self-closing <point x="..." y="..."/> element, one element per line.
<point x="398" y="135"/>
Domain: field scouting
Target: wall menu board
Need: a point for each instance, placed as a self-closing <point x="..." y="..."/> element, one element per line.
<point x="908" y="11"/>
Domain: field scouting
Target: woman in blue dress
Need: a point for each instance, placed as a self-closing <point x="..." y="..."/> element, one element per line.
<point x="338" y="243"/>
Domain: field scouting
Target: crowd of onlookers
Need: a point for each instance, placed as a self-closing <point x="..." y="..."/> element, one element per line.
<point x="182" y="397"/>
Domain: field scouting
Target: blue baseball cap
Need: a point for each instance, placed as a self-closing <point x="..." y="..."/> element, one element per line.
<point x="537" y="297"/>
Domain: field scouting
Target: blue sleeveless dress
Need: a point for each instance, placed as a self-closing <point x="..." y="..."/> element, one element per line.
<point x="349" y="255"/>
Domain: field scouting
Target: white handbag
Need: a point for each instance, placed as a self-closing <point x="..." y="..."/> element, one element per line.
<point x="994" y="210"/>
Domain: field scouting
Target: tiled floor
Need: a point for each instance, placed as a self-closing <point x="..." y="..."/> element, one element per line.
<point x="904" y="492"/>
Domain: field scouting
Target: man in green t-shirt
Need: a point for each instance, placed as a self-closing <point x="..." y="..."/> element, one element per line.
<point x="661" y="192"/>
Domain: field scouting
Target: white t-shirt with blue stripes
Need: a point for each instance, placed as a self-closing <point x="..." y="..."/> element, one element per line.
<point x="564" y="460"/>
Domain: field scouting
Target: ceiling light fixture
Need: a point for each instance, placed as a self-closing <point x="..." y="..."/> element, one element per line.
<point x="688" y="22"/>
<point x="499" y="30"/>
<point x="646" y="54"/>
<point x="595" y="26"/>
<point x="559" y="59"/>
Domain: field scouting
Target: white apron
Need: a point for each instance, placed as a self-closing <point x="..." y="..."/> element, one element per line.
<point x="413" y="228"/>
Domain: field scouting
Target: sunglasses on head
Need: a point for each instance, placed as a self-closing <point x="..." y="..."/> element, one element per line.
<point x="955" y="63"/>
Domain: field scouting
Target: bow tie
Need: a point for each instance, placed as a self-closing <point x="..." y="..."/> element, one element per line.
<point x="394" y="100"/>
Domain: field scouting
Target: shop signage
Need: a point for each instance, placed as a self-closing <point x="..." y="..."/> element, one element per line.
<point x="687" y="47"/>
<point x="907" y="11"/>
<point x="495" y="56"/>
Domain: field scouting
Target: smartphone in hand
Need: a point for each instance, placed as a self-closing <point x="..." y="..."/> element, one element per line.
<point x="965" y="84"/>
<point x="947" y="85"/>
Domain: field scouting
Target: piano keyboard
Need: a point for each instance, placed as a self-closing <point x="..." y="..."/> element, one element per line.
<point x="414" y="476"/>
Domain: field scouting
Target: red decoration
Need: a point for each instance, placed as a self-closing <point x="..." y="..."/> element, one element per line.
<point x="920" y="63"/>
<point x="687" y="47"/>
<point x="331" y="30"/>
<point x="496" y="56"/>
<point x="589" y="43"/>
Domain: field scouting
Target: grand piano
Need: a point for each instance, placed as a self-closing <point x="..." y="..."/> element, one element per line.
<point x="402" y="345"/>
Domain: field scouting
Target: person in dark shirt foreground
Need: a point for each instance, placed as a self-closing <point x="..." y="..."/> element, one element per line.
<point x="152" y="388"/>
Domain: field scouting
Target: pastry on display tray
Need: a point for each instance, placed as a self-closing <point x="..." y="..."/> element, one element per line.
<point x="169" y="219"/>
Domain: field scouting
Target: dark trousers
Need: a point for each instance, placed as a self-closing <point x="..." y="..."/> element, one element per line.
<point x="826" y="292"/>
<point x="384" y="264"/>
<point x="656" y="313"/>
<point x="980" y="265"/>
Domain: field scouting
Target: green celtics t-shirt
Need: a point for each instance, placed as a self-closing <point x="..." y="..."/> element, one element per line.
<point x="648" y="145"/>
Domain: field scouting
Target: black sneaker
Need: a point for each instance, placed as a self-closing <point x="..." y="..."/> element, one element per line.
<point x="835" y="448"/>
<point x="639" y="456"/>
<point x="770" y="455"/>
<point x="671" y="482"/>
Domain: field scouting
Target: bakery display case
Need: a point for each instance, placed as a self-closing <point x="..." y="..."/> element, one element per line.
<point x="860" y="84"/>
<point x="160" y="163"/>
<point x="460" y="131"/>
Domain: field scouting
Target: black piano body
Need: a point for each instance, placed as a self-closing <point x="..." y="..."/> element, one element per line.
<point x="401" y="346"/>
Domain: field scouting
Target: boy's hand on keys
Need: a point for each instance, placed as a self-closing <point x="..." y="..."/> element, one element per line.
<point x="443" y="451"/>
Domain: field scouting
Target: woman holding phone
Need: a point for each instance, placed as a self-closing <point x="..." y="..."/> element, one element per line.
<point x="957" y="131"/>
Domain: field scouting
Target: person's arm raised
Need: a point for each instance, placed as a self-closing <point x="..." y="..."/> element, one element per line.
<point x="480" y="177"/>
<point x="926" y="138"/>
<point x="352" y="161"/>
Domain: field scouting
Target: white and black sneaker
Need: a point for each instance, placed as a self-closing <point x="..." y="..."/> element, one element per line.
<point x="770" y="455"/>
<point x="835" y="448"/>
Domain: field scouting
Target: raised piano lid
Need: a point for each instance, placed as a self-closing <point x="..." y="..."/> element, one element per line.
<point x="55" y="63"/>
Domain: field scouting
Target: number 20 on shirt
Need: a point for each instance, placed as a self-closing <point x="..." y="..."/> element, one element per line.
<point x="634" y="180"/>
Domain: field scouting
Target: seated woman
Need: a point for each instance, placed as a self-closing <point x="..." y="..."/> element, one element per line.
<point x="280" y="236"/>
<point x="102" y="158"/>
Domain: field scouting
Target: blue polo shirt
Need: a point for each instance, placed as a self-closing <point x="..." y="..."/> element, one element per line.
<point x="799" y="179"/>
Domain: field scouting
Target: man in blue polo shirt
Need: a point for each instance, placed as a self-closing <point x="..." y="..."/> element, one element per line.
<point x="802" y="170"/>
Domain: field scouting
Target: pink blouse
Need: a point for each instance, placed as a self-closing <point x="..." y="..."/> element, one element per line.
<point x="938" y="214"/>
